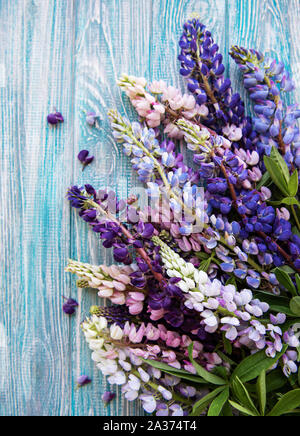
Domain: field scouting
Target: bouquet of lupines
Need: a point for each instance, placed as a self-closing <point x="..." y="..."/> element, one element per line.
<point x="205" y="317"/>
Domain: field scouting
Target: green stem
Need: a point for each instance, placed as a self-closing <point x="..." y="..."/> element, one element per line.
<point x="296" y="217"/>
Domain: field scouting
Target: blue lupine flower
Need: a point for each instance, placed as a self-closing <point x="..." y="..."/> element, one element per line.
<point x="275" y="123"/>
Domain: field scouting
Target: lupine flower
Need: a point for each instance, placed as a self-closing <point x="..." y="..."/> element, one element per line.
<point x="83" y="380"/>
<point x="84" y="158"/>
<point x="107" y="397"/>
<point x="69" y="306"/>
<point x="55" y="118"/>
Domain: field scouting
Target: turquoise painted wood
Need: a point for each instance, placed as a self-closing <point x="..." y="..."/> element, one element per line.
<point x="68" y="54"/>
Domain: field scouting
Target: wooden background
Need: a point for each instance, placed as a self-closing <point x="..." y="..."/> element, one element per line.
<point x="68" y="54"/>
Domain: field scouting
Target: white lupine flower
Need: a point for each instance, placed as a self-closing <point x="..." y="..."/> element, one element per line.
<point x="134" y="383"/>
<point x="231" y="333"/>
<point x="97" y="356"/>
<point x="116" y="332"/>
<point x="173" y="273"/>
<point x="211" y="303"/>
<point x="105" y="293"/>
<point x="190" y="283"/>
<point x="200" y="277"/>
<point x="96" y="344"/>
<point x="144" y="375"/>
<point x="100" y="322"/>
<point x="213" y="289"/>
<point x="125" y="365"/>
<point x="88" y="333"/>
<point x="183" y="286"/>
<point x="131" y="395"/>
<point x="209" y="318"/>
<point x="119" y="378"/>
<point x="108" y="367"/>
<point x="165" y="393"/>
<point x="230" y="320"/>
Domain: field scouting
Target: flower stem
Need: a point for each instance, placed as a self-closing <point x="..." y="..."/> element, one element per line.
<point x="296" y="217"/>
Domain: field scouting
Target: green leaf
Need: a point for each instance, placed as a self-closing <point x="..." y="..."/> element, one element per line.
<point x="253" y="365"/>
<point x="285" y="280"/>
<point x="205" y="264"/>
<point x="293" y="184"/>
<point x="241" y="408"/>
<point x="211" y="378"/>
<point x="275" y="380"/>
<point x="261" y="389"/>
<point x="287" y="403"/>
<point x="281" y="309"/>
<point x="295" y="306"/>
<point x="225" y="358"/>
<point x="264" y="181"/>
<point x="297" y="277"/>
<point x="174" y="371"/>
<point x="227" y="410"/>
<point x="272" y="298"/>
<point x="201" y="255"/>
<point x="218" y="403"/>
<point x="243" y="396"/>
<point x="276" y="175"/>
<point x="201" y="404"/>
<point x="281" y="163"/>
<point x="290" y="201"/>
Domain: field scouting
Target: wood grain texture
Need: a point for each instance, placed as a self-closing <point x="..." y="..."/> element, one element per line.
<point x="69" y="54"/>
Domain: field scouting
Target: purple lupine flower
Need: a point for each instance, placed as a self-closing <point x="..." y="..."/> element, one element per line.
<point x="84" y="158"/>
<point x="69" y="306"/>
<point x="83" y="380"/>
<point x="55" y="118"/>
<point x="107" y="397"/>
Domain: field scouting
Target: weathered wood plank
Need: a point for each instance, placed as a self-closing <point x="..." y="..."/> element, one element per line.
<point x="37" y="57"/>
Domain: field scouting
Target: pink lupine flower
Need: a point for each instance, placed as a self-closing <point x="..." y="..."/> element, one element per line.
<point x="134" y="302"/>
<point x="118" y="298"/>
<point x="156" y="314"/>
<point x="189" y="367"/>
<point x="173" y="339"/>
<point x="152" y="333"/>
